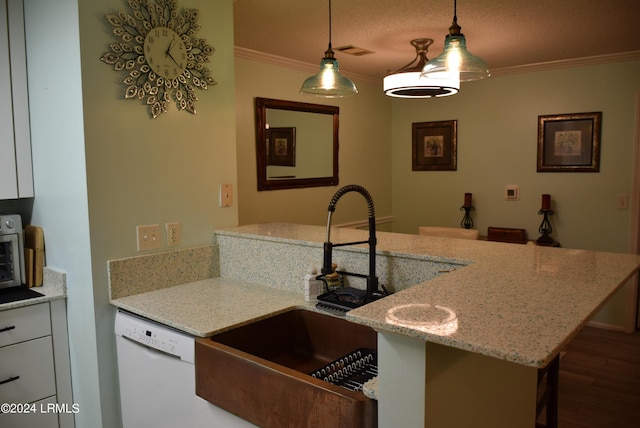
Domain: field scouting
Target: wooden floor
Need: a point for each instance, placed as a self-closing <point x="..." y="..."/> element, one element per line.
<point x="600" y="380"/>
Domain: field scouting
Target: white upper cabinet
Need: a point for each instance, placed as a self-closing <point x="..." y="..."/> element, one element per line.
<point x="16" y="172"/>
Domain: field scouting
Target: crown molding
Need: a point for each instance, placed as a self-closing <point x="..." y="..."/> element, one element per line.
<point x="295" y="64"/>
<point x="567" y="63"/>
<point x="497" y="72"/>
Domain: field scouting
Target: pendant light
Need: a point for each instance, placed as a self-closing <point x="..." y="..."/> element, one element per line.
<point x="456" y="60"/>
<point x="408" y="83"/>
<point x="329" y="83"/>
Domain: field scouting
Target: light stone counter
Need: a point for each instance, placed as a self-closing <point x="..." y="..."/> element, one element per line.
<point x="464" y="313"/>
<point x="54" y="287"/>
<point x="519" y="303"/>
<point x="209" y="306"/>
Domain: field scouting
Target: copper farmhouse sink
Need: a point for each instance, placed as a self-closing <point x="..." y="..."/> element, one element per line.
<point x="261" y="371"/>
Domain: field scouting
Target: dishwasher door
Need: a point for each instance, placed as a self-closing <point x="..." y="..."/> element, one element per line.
<point x="157" y="389"/>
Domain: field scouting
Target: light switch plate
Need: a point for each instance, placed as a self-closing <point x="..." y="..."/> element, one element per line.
<point x="148" y="237"/>
<point x="511" y="192"/>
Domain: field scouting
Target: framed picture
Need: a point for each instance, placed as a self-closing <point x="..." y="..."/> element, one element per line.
<point x="435" y="146"/>
<point x="569" y="142"/>
<point x="281" y="146"/>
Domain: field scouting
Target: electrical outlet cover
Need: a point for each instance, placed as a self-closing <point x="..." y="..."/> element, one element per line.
<point x="622" y="202"/>
<point x="174" y="233"/>
<point x="226" y="195"/>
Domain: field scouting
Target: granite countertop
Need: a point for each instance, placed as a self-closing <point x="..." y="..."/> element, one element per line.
<point x="520" y="303"/>
<point x="54" y="287"/>
<point x="206" y="307"/>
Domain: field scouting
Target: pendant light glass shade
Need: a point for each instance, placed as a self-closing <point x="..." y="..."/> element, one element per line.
<point x="329" y="83"/>
<point x="456" y="59"/>
<point x="408" y="82"/>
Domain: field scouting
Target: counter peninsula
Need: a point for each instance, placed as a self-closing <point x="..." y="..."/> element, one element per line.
<point x="474" y="335"/>
<point x="468" y="328"/>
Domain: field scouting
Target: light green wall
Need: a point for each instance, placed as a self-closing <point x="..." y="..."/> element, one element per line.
<point x="365" y="149"/>
<point x="497" y="143"/>
<point x="157" y="170"/>
<point x="103" y="166"/>
<point x="145" y="171"/>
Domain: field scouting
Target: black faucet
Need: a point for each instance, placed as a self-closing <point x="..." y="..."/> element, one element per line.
<point x="349" y="298"/>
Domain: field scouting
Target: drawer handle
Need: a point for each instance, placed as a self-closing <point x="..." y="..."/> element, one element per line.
<point x="11" y="379"/>
<point x="7" y="328"/>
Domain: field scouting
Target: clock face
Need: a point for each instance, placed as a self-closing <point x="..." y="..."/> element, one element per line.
<point x="165" y="52"/>
<point x="158" y="49"/>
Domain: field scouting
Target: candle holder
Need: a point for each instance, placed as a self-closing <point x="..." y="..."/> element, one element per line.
<point x="467" y="221"/>
<point x="545" y="229"/>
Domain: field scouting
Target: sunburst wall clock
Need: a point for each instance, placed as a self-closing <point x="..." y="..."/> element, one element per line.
<point x="158" y="49"/>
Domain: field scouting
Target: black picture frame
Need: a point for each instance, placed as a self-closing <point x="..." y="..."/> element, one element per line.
<point x="281" y="146"/>
<point x="569" y="142"/>
<point x="435" y="146"/>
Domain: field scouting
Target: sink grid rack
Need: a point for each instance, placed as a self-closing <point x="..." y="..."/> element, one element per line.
<point x="351" y="371"/>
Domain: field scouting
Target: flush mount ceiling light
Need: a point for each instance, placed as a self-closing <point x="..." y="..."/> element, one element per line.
<point x="329" y="83"/>
<point x="456" y="60"/>
<point x="408" y="83"/>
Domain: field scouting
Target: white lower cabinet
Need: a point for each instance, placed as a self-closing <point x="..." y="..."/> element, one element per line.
<point x="34" y="380"/>
<point x="40" y="417"/>
<point x="27" y="370"/>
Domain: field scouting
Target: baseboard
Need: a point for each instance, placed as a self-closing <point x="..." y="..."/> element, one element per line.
<point x="606" y="326"/>
<point x="365" y="223"/>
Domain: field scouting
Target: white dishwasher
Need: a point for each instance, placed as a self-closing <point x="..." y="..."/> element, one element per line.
<point x="157" y="378"/>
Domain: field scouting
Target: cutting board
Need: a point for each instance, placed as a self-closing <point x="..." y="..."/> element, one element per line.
<point x="28" y="266"/>
<point x="34" y="255"/>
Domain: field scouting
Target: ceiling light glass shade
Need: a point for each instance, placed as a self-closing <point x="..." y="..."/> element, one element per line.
<point x="329" y="83"/>
<point x="408" y="82"/>
<point x="456" y="59"/>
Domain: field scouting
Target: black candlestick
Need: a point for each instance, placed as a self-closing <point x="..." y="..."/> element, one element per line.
<point x="545" y="229"/>
<point x="467" y="222"/>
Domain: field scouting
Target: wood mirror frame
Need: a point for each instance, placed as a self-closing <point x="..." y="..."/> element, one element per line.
<point x="290" y="182"/>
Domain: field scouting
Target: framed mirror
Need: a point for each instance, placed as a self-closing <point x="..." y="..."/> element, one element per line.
<point x="296" y="144"/>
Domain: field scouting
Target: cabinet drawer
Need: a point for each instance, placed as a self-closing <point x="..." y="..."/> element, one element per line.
<point x="27" y="371"/>
<point x="40" y="419"/>
<point x="25" y="323"/>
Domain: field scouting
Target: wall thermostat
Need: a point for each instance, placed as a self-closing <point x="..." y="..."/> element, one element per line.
<point x="511" y="192"/>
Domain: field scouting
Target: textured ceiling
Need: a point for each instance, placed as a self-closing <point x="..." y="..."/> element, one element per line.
<point x="505" y="33"/>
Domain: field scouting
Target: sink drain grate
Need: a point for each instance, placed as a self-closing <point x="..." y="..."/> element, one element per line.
<point x="352" y="370"/>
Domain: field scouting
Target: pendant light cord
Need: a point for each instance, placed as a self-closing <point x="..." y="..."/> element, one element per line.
<point x="454" y="30"/>
<point x="329" y="24"/>
<point x="455" y="11"/>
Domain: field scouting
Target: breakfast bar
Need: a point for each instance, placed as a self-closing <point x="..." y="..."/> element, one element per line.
<point x="469" y="325"/>
<point x="473" y="336"/>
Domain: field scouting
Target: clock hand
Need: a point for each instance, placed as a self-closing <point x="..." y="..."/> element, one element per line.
<point x="167" y="53"/>
<point x="173" y="59"/>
